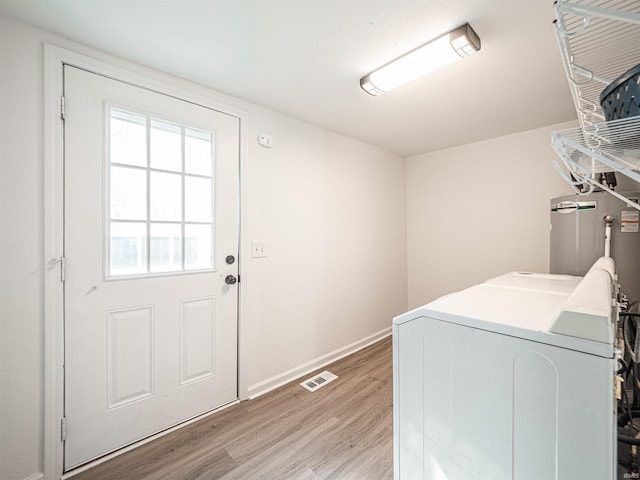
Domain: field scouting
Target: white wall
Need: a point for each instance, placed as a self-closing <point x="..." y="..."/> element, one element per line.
<point x="479" y="210"/>
<point x="332" y="213"/>
<point x="331" y="210"/>
<point x="21" y="262"/>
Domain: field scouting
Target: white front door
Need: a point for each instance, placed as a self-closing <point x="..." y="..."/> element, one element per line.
<point x="151" y="231"/>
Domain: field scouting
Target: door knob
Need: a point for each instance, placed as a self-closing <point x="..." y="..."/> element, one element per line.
<point x="230" y="280"/>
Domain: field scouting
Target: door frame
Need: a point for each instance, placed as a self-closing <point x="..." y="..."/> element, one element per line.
<point x="53" y="187"/>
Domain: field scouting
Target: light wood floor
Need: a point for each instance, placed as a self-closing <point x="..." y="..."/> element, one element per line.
<point x="341" y="431"/>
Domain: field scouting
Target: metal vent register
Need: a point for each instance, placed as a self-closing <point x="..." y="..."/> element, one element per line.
<point x="314" y="383"/>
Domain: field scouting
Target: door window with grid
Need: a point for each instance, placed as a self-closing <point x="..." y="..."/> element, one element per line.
<point x="160" y="184"/>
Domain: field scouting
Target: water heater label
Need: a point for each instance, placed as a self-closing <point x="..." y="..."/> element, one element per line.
<point x="629" y="221"/>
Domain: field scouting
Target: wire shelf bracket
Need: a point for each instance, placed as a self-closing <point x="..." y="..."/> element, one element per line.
<point x="599" y="40"/>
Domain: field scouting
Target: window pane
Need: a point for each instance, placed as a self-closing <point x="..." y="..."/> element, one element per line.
<point x="198" y="252"/>
<point x="198" y="152"/>
<point x="128" y="245"/>
<point x="166" y="247"/>
<point x="166" y="196"/>
<point x="128" y="142"/>
<point x="161" y="195"/>
<point x="128" y="193"/>
<point x="198" y="199"/>
<point x="166" y="146"/>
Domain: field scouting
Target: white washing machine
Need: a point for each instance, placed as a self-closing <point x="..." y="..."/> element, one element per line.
<point x="512" y="379"/>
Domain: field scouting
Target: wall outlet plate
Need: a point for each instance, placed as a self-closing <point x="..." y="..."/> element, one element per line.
<point x="258" y="249"/>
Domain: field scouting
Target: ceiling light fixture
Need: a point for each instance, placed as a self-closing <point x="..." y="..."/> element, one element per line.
<point x="445" y="49"/>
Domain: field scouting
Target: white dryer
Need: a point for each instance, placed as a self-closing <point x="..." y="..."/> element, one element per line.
<point x="511" y="379"/>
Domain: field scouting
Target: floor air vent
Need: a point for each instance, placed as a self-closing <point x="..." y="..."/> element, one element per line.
<point x="314" y="383"/>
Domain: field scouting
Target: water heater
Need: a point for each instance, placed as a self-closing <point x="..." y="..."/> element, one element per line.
<point x="578" y="236"/>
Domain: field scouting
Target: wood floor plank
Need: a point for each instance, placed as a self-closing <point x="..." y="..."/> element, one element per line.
<point x="341" y="431"/>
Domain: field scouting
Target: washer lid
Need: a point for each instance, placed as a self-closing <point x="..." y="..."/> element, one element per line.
<point x="569" y="312"/>
<point x="537" y="282"/>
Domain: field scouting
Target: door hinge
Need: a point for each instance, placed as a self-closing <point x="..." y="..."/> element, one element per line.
<point x="62" y="268"/>
<point x="63" y="429"/>
<point x="62" y="108"/>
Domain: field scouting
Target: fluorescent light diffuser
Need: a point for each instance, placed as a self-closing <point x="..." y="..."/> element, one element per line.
<point x="458" y="43"/>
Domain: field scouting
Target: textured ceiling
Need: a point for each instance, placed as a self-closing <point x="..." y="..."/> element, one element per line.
<point x="304" y="58"/>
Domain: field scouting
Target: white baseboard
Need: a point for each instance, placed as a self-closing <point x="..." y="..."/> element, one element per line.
<point x="278" y="380"/>
<point x="35" y="476"/>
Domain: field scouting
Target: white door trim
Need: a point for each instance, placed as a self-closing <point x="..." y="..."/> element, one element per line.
<point x="54" y="58"/>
